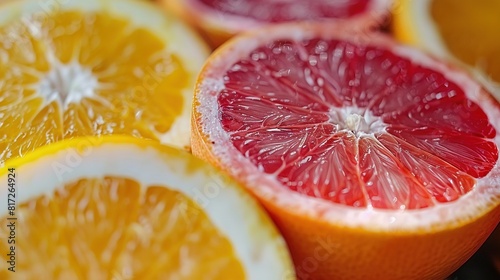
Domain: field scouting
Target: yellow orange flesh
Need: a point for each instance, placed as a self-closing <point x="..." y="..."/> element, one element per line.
<point x="468" y="28"/>
<point x="138" y="83"/>
<point x="114" y="228"/>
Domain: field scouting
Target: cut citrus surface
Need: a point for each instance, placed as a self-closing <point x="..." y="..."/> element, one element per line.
<point x="375" y="160"/>
<point x="92" y="68"/>
<point x="117" y="207"/>
<point x="220" y="19"/>
<point x="460" y="30"/>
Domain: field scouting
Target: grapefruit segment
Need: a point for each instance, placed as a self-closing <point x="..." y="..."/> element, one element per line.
<point x="275" y="148"/>
<point x="443" y="181"/>
<point x="471" y="154"/>
<point x="266" y="113"/>
<point x="275" y="84"/>
<point x="313" y="168"/>
<point x="388" y="183"/>
<point x="450" y="114"/>
<point x="351" y="137"/>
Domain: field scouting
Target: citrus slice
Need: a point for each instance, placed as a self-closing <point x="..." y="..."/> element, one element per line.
<point x="218" y="20"/>
<point x="117" y="207"/>
<point x="375" y="160"/>
<point x="457" y="30"/>
<point x="93" y="67"/>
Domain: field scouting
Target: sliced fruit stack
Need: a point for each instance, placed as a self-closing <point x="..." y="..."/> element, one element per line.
<point x="374" y="160"/>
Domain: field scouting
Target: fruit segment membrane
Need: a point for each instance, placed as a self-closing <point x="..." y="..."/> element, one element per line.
<point x="286" y="10"/>
<point x="115" y="228"/>
<point x="74" y="73"/>
<point x="355" y="125"/>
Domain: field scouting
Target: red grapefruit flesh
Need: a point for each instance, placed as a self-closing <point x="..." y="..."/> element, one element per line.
<point x="400" y="134"/>
<point x="218" y="20"/>
<point x="286" y="10"/>
<point x="375" y="160"/>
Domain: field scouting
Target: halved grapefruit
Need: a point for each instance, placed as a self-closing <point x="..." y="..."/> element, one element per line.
<point x="118" y="207"/>
<point x="218" y="20"/>
<point x="375" y="160"/>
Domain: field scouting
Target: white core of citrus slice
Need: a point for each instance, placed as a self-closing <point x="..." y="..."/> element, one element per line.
<point x="356" y="120"/>
<point x="234" y="213"/>
<point x="68" y="84"/>
<point x="484" y="196"/>
<point x="179" y="40"/>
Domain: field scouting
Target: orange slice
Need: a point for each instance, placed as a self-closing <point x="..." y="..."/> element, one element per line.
<point x="218" y="20"/>
<point x="93" y="67"/>
<point x="458" y="30"/>
<point x="118" y="207"/>
<point x="375" y="160"/>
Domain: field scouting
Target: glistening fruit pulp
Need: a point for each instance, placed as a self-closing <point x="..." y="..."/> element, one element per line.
<point x="356" y="125"/>
<point x="280" y="11"/>
<point x="114" y="227"/>
<point x="72" y="73"/>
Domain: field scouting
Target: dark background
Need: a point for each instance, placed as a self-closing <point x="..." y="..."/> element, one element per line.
<point x="479" y="267"/>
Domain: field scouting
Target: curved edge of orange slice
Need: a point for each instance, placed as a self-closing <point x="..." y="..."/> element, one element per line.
<point x="412" y="24"/>
<point x="256" y="241"/>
